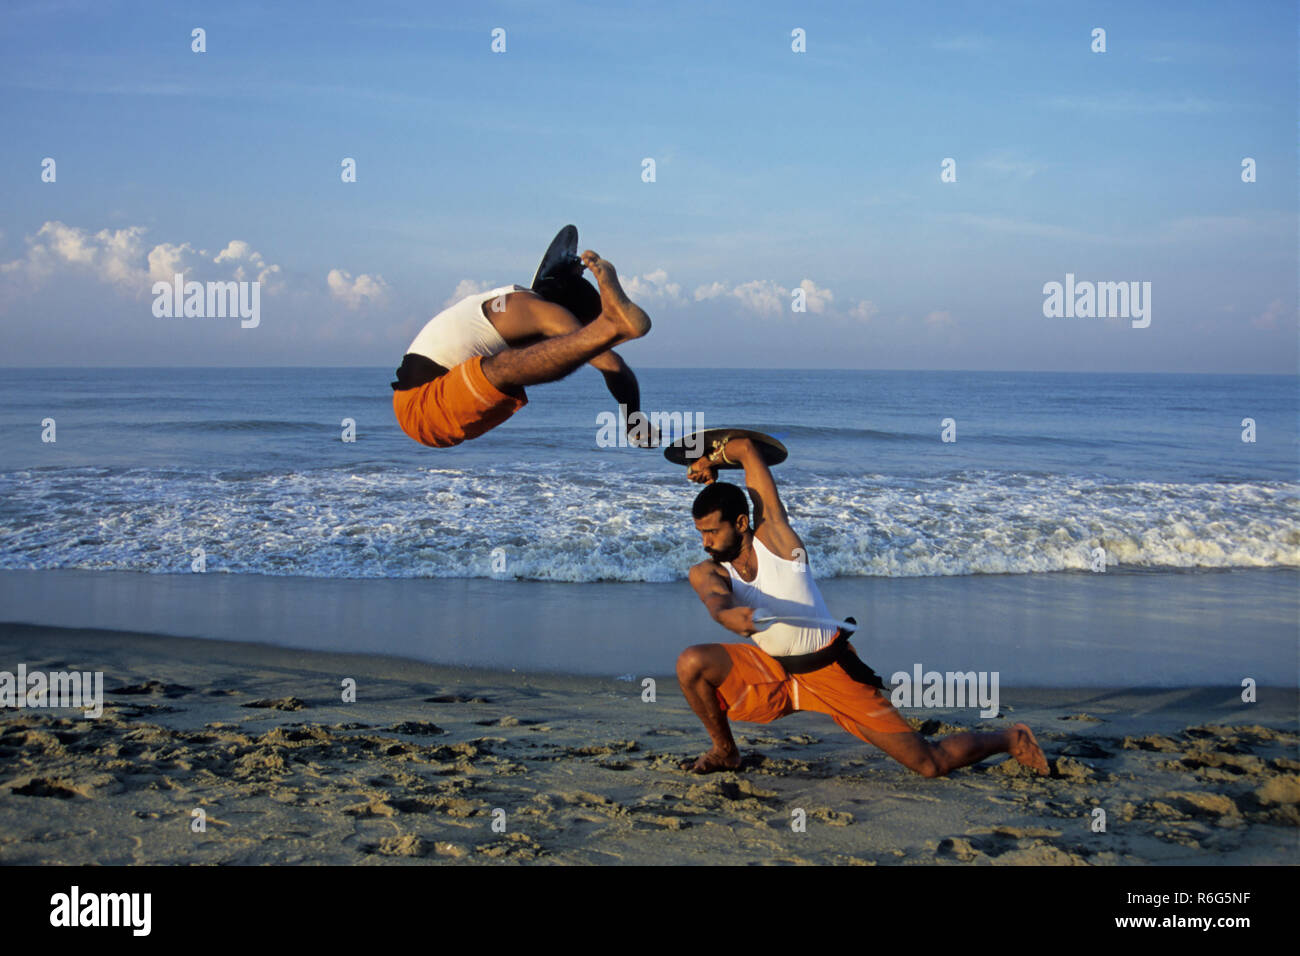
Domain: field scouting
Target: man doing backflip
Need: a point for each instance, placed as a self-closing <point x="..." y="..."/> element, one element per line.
<point x="466" y="370"/>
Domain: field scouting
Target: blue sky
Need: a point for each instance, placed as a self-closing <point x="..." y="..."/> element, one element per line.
<point x="775" y="170"/>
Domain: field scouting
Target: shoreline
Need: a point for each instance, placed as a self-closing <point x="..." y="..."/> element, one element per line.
<point x="1101" y="630"/>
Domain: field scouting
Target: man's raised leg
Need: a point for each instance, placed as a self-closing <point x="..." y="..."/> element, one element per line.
<point x="554" y="358"/>
<point x="550" y="359"/>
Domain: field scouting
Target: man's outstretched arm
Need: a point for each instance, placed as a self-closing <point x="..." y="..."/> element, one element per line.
<point x="714" y="589"/>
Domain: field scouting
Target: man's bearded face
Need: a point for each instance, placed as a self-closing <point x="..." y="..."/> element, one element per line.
<point x="721" y="540"/>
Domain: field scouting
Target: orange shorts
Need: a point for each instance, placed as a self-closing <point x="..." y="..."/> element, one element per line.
<point x="453" y="407"/>
<point x="758" y="690"/>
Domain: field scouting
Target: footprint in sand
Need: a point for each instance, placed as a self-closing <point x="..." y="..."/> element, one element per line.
<point x="507" y="722"/>
<point x="283" y="703"/>
<point x="47" y="787"/>
<point x="417" y="728"/>
<point x="154" y="687"/>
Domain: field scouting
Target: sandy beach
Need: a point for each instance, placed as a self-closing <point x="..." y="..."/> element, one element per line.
<point x="464" y="766"/>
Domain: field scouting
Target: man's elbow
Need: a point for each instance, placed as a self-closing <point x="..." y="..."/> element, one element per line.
<point x="717" y="608"/>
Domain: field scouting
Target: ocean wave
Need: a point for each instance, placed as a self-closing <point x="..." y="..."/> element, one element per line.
<point x="554" y="523"/>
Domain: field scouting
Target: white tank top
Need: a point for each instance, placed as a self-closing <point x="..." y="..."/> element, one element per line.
<point x="783" y="588"/>
<point x="459" y="332"/>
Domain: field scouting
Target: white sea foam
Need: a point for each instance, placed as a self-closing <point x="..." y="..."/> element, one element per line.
<point x="552" y="523"/>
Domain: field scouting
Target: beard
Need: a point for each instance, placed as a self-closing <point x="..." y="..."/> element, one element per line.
<point x="726" y="555"/>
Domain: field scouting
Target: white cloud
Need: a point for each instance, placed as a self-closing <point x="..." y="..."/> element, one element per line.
<point x="120" y="258"/>
<point x="762" y="296"/>
<point x="652" y="286"/>
<point x="464" y="288"/>
<point x="240" y="252"/>
<point x="165" y="260"/>
<point x="351" y="292"/>
<point x="106" y="255"/>
<point x="769" y="298"/>
<point x="711" y="291"/>
<point x="816" y="299"/>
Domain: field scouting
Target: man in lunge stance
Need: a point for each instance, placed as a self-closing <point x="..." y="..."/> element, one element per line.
<point x="764" y="565"/>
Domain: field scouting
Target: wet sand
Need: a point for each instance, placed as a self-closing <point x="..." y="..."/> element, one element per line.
<point x="1052" y="630"/>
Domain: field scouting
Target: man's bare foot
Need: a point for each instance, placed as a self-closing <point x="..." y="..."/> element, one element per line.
<point x="712" y="761"/>
<point x="1026" y="750"/>
<point x="628" y="317"/>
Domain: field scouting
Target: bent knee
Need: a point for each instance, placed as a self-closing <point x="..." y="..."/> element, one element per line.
<point x="926" y="762"/>
<point x="496" y="368"/>
<point x="692" y="661"/>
